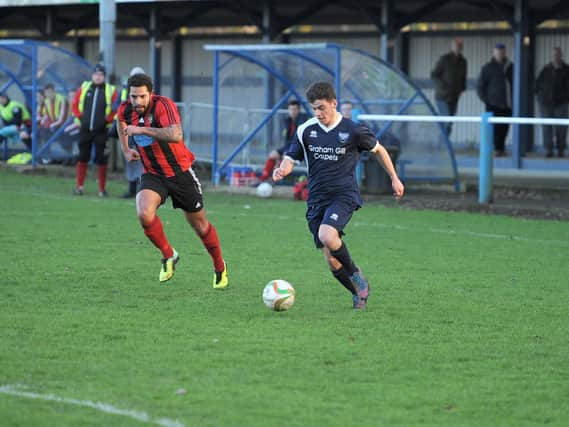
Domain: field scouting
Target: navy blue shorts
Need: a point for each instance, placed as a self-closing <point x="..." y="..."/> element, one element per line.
<point x="185" y="189"/>
<point x="336" y="214"/>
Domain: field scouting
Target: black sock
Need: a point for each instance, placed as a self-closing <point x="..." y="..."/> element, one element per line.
<point x="132" y="186"/>
<point x="342" y="255"/>
<point x="343" y="277"/>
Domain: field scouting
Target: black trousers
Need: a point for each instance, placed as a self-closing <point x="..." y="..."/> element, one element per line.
<point x="500" y="130"/>
<point x="86" y="141"/>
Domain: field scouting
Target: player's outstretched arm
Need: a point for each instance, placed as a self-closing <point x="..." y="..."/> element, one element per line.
<point x="129" y="153"/>
<point x="171" y="133"/>
<point x="284" y="169"/>
<point x="384" y="160"/>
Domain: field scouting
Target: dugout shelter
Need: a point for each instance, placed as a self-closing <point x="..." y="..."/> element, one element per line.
<point x="262" y="78"/>
<point x="28" y="65"/>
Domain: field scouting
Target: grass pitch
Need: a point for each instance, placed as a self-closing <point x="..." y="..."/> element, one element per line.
<point x="466" y="325"/>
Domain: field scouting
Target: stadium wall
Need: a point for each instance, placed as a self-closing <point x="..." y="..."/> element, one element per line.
<point x="424" y="50"/>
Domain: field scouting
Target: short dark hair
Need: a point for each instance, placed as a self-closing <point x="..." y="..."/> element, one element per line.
<point x="49" y="86"/>
<point x="294" y="102"/>
<point x="320" y="90"/>
<point x="138" y="80"/>
<point x="347" y="101"/>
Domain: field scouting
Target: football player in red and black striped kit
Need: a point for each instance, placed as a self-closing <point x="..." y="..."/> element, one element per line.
<point x="154" y="123"/>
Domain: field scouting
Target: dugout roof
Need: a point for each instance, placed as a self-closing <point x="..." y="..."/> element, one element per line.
<point x="57" y="19"/>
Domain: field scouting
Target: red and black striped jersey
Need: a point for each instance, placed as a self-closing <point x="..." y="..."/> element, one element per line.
<point x="166" y="159"/>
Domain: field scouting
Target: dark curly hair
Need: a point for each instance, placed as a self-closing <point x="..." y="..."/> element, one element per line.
<point x="320" y="90"/>
<point x="138" y="80"/>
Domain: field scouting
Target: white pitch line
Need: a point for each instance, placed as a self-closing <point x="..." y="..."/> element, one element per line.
<point x="467" y="233"/>
<point x="15" y="390"/>
<point x="248" y="213"/>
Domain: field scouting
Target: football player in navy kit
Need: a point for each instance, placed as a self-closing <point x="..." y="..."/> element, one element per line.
<point x="330" y="144"/>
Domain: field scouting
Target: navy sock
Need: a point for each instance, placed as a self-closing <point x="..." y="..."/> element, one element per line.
<point x="342" y="255"/>
<point x="343" y="277"/>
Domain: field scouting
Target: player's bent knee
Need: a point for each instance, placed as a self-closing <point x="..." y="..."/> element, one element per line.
<point x="145" y="217"/>
<point x="145" y="213"/>
<point x="329" y="237"/>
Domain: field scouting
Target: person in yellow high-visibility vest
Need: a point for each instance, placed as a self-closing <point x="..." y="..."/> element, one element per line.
<point x="56" y="107"/>
<point x="94" y="107"/>
<point x="53" y="111"/>
<point x="16" y="120"/>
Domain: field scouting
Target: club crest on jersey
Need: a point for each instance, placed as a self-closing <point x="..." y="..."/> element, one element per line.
<point x="343" y="137"/>
<point x="313" y="134"/>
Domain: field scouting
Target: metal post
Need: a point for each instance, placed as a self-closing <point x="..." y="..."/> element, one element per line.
<point x="34" y="105"/>
<point x="214" y="177"/>
<point x="486" y="160"/>
<point x="338" y="75"/>
<point x="268" y="23"/>
<point x="386" y="48"/>
<point x="177" y="61"/>
<point x="155" y="50"/>
<point x="521" y="20"/>
<point x="252" y="133"/>
<point x="107" y="19"/>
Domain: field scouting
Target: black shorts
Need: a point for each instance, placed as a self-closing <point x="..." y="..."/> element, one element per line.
<point x="185" y="189"/>
<point x="336" y="214"/>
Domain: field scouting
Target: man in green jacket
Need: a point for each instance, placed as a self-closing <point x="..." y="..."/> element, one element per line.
<point x="449" y="77"/>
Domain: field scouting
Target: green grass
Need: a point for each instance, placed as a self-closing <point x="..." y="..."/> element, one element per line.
<point x="466" y="325"/>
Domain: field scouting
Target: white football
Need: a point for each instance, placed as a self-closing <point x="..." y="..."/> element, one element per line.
<point x="278" y="295"/>
<point x="264" y="190"/>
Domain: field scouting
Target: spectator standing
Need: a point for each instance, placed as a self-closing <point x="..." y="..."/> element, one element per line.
<point x="94" y="106"/>
<point x="495" y="91"/>
<point x="449" y="77"/>
<point x="552" y="90"/>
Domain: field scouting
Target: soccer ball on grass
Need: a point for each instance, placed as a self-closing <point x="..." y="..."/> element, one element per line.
<point x="278" y="295"/>
<point x="264" y="190"/>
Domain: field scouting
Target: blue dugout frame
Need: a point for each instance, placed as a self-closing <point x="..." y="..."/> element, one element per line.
<point x="28" y="51"/>
<point x="242" y="52"/>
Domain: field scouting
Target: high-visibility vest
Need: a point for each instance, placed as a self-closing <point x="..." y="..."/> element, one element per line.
<point x="7" y="111"/>
<point x="124" y="94"/>
<point x="53" y="113"/>
<point x="109" y="90"/>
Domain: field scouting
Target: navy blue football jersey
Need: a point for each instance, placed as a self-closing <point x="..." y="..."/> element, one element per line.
<point x="331" y="155"/>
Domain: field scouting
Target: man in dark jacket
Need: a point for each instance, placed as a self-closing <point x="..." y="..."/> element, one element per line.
<point x="94" y="107"/>
<point x="552" y="90"/>
<point x="449" y="77"/>
<point x="495" y="90"/>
